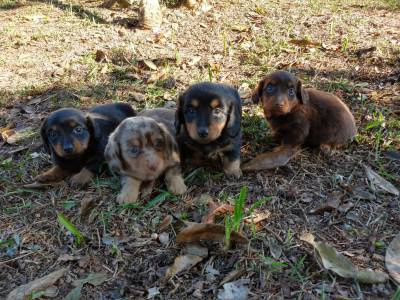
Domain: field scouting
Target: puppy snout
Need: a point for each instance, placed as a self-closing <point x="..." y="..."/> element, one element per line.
<point x="68" y="148"/>
<point x="202" y="132"/>
<point x="152" y="167"/>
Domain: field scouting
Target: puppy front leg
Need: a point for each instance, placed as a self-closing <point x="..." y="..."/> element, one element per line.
<point x="174" y="180"/>
<point x="82" y="178"/>
<point x="55" y="174"/>
<point x="231" y="162"/>
<point x="130" y="190"/>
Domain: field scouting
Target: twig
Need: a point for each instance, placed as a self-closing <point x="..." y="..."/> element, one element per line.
<point x="15" y="258"/>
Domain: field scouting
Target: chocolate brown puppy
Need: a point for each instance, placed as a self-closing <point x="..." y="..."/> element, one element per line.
<point x="300" y="116"/>
<point x="208" y="121"/>
<point x="141" y="149"/>
<point x="76" y="140"/>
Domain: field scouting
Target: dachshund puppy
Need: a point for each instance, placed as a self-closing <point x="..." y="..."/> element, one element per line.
<point x="141" y="149"/>
<point x="208" y="120"/>
<point x="76" y="140"/>
<point x="299" y="117"/>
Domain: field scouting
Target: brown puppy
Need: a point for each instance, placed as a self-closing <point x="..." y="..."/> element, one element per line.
<point x="299" y="117"/>
<point x="141" y="149"/>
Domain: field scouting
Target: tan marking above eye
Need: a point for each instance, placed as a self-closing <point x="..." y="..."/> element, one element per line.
<point x="194" y="103"/>
<point x="215" y="103"/>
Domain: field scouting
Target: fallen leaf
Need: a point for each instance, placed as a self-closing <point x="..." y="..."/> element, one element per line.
<point x="257" y="217"/>
<point x="231" y="276"/>
<point x="13" y="136"/>
<point x="152" y="292"/>
<point x="93" y="279"/>
<point x="274" y="247"/>
<point x="216" y="210"/>
<point x="270" y="160"/>
<point x="332" y="204"/>
<point x="165" y="223"/>
<point x="163" y="238"/>
<point x="156" y="76"/>
<point x="87" y="205"/>
<point x="150" y="64"/>
<point x="101" y="56"/>
<point x="208" y="232"/>
<point x="392" y="258"/>
<point x="235" y="290"/>
<point x="392" y="154"/>
<point x="338" y="263"/>
<point x="38" y="185"/>
<point x="181" y="263"/>
<point x="211" y="273"/>
<point x="304" y="42"/>
<point x="195" y="249"/>
<point x="22" y="292"/>
<point x="377" y="180"/>
<point x="68" y="257"/>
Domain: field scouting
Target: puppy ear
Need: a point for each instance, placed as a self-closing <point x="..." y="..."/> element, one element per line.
<point x="171" y="147"/>
<point x="302" y="94"/>
<point x="112" y="154"/>
<point x="235" y="115"/>
<point x="179" y="118"/>
<point x="90" y="125"/>
<point x="257" y="93"/>
<point x="45" y="139"/>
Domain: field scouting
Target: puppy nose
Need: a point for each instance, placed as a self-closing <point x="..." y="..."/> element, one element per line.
<point x="152" y="167"/>
<point x="68" y="149"/>
<point x="202" y="132"/>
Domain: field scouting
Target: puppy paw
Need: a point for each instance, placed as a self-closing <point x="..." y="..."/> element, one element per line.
<point x="146" y="189"/>
<point x="326" y="150"/>
<point x="177" y="186"/>
<point x="124" y="198"/>
<point x="82" y="178"/>
<point x="232" y="169"/>
<point x="130" y="191"/>
<point x="53" y="175"/>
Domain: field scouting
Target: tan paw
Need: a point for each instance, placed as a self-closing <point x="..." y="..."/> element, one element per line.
<point x="125" y="198"/>
<point x="177" y="186"/>
<point x="82" y="178"/>
<point x="232" y="169"/>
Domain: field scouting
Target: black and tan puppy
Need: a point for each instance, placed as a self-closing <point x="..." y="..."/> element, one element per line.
<point x="208" y="121"/>
<point x="141" y="149"/>
<point x="300" y="116"/>
<point x="76" y="140"/>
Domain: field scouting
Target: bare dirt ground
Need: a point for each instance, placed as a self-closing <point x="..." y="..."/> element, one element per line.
<point x="73" y="53"/>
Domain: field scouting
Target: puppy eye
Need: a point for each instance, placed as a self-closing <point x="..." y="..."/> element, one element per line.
<point x="291" y="92"/>
<point x="135" y="151"/>
<point x="53" y="134"/>
<point x="271" y="89"/>
<point x="159" y="144"/>
<point x="78" y="130"/>
<point x="191" y="110"/>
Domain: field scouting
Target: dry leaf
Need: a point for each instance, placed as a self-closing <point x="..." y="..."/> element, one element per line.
<point x="231" y="276"/>
<point x="150" y="64"/>
<point x="165" y="223"/>
<point x="234" y="290"/>
<point x="67" y="257"/>
<point x="101" y="56"/>
<point x="392" y="258"/>
<point x="13" y="136"/>
<point x="152" y="292"/>
<point x="304" y="42"/>
<point x="336" y="262"/>
<point x="274" y="247"/>
<point x="163" y="238"/>
<point x="40" y="284"/>
<point x="270" y="160"/>
<point x="93" y="279"/>
<point x="331" y="204"/>
<point x="257" y="217"/>
<point x="183" y="262"/>
<point x="195" y="249"/>
<point x="207" y="232"/>
<point x="379" y="181"/>
<point x="38" y="185"/>
<point x="217" y="210"/>
<point x="87" y="204"/>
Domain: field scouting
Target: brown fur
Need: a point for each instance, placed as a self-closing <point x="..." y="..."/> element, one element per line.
<point x="301" y="117"/>
<point x="55" y="174"/>
<point x="82" y="178"/>
<point x="143" y="149"/>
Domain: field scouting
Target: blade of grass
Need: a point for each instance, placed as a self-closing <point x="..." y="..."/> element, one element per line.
<point x="79" y="238"/>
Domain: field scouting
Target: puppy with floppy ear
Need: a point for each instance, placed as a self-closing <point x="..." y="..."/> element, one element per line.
<point x="299" y="116"/>
<point x="208" y="123"/>
<point x="143" y="148"/>
<point x="76" y="140"/>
